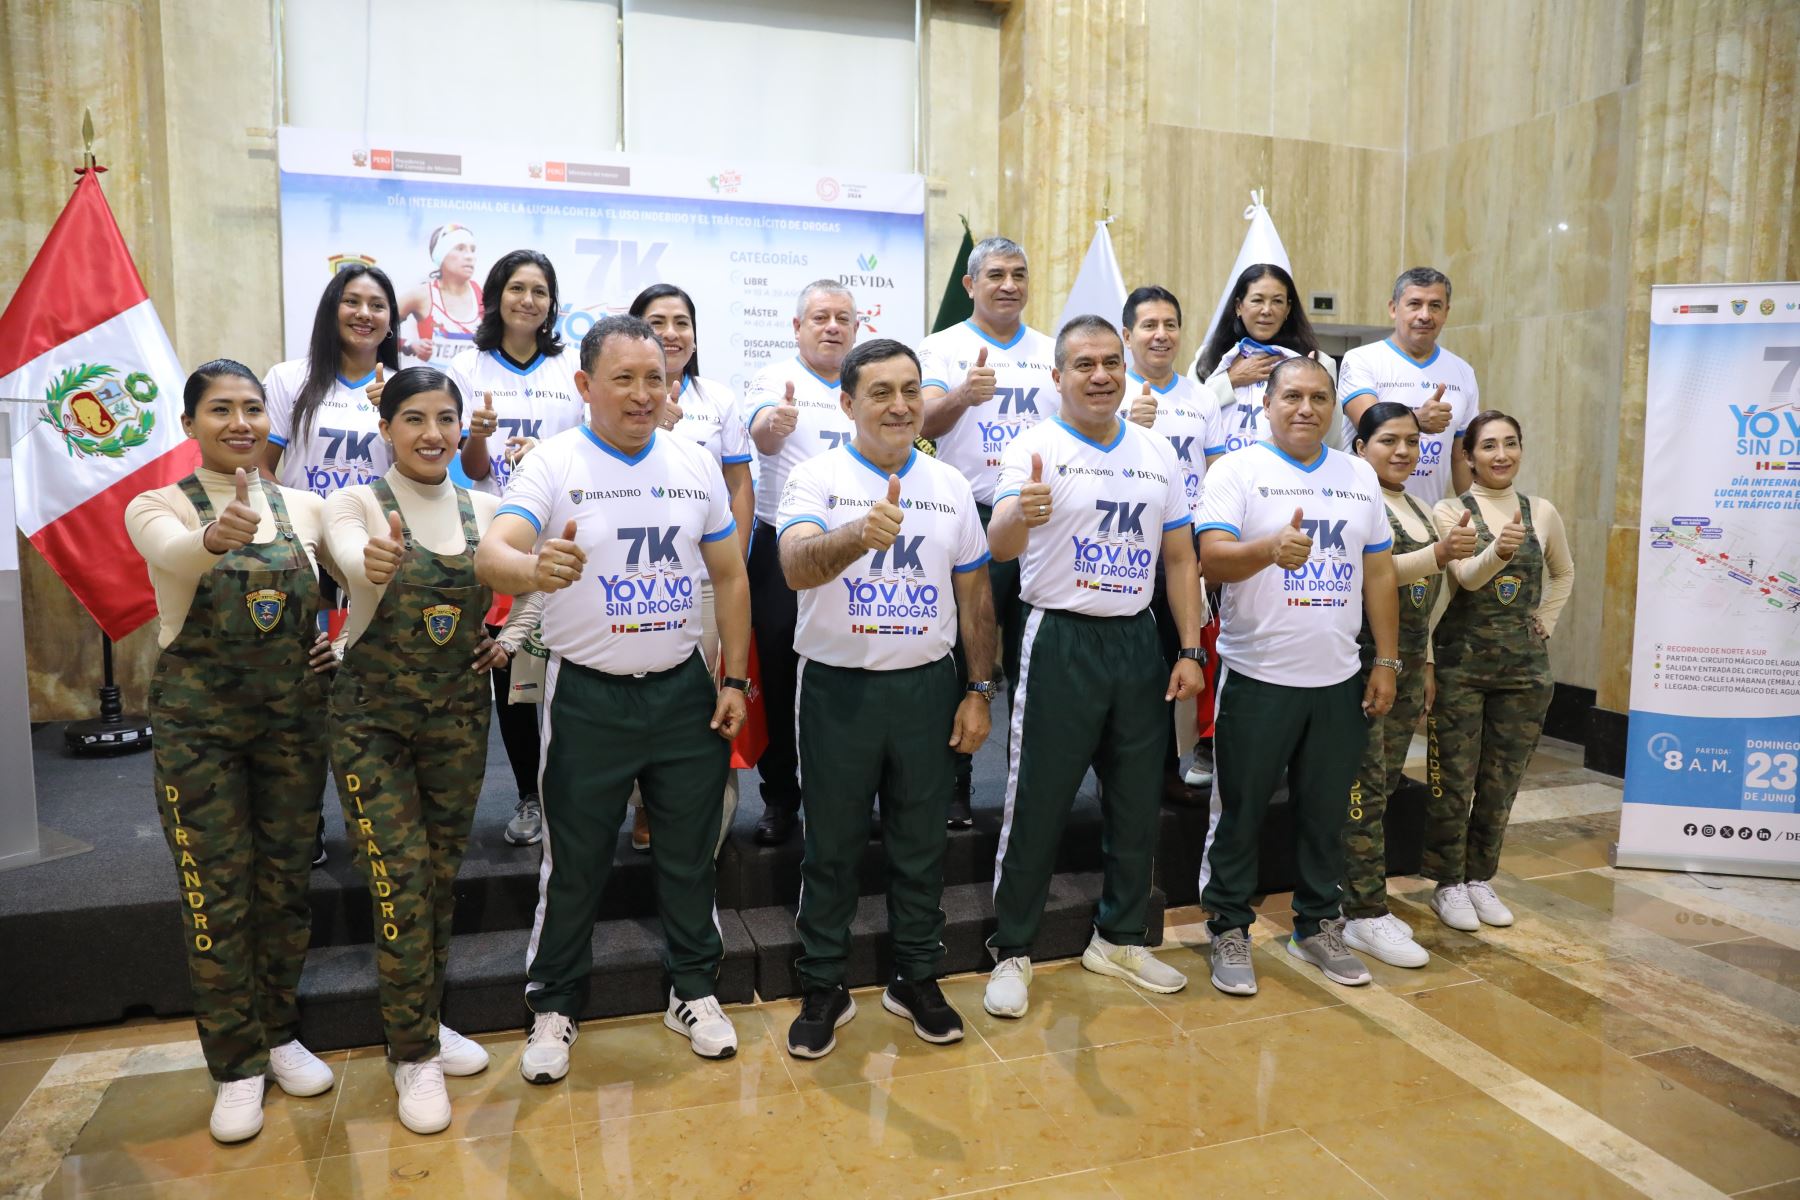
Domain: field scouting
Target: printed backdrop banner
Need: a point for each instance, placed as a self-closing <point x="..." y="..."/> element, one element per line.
<point x="1713" y="757"/>
<point x="742" y="238"/>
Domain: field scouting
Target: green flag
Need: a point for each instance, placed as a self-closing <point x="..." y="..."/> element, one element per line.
<point x="956" y="305"/>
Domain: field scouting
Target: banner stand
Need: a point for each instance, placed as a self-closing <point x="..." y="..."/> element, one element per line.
<point x="1712" y="765"/>
<point x="23" y="842"/>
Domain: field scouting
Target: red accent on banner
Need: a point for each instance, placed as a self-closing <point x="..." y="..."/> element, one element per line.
<point x="381" y="160"/>
<point x="747" y="748"/>
<point x="88" y="548"/>
<point x="82" y="277"/>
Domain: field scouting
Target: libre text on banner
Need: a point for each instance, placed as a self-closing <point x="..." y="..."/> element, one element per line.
<point x="81" y="337"/>
<point x="1713" y="752"/>
<point x="742" y="238"/>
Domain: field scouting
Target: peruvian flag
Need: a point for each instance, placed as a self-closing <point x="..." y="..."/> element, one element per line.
<point x="82" y="340"/>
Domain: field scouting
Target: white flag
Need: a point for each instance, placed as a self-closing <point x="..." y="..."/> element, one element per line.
<point x="1261" y="245"/>
<point x="1099" y="288"/>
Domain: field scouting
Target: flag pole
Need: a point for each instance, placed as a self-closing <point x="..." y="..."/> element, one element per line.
<point x="112" y="732"/>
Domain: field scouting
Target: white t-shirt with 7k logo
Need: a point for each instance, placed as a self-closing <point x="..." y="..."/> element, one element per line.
<point x="822" y="425"/>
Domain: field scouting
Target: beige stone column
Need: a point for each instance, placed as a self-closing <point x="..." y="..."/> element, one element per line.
<point x="1718" y="151"/>
<point x="1073" y="120"/>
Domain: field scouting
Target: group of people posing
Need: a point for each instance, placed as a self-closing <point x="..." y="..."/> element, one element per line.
<point x="1359" y="526"/>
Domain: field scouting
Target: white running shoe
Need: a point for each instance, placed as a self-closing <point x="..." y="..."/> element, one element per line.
<point x="298" y="1070"/>
<point x="1452" y="905"/>
<point x="546" y="1057"/>
<point x="1008" y="991"/>
<point x="1487" y="905"/>
<point x="1134" y="964"/>
<point x="237" y="1110"/>
<point x="1199" y="773"/>
<point x="703" y="1023"/>
<point x="459" y="1055"/>
<point x="1385" y="938"/>
<point x="424" y="1104"/>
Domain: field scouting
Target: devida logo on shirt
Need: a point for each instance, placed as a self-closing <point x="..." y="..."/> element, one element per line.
<point x="1345" y="494"/>
<point x="669" y="493"/>
<point x="1140" y="473"/>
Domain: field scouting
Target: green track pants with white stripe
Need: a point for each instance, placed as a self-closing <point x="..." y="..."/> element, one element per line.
<point x="862" y="731"/>
<point x="601" y="734"/>
<point x="1090" y="693"/>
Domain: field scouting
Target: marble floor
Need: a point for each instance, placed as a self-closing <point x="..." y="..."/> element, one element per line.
<point x="1634" y="1033"/>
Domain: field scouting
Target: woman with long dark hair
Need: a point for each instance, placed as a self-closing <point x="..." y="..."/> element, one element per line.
<point x="1264" y="322"/>
<point x="1493" y="670"/>
<point x="705" y="412"/>
<point x="1387" y="438"/>
<point x="519" y="383"/>
<point x="238" y="701"/>
<point x="409" y="717"/>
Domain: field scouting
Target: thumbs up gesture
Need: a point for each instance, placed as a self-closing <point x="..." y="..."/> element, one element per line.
<point x="1458" y="543"/>
<point x="559" y="562"/>
<point x="381" y="555"/>
<point x="1034" y="497"/>
<point x="484" y="420"/>
<point x="1292" y="546"/>
<point x="671" y="412"/>
<point x="1512" y="536"/>
<point x="373" y="391"/>
<point x="1434" y="414"/>
<point x="978" y="384"/>
<point x="236" y="526"/>
<point x="786" y="415"/>
<point x="1143" y="407"/>
<point x="882" y="524"/>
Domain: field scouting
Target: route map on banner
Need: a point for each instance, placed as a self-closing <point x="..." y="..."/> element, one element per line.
<point x="742" y="238"/>
<point x="1713" y="753"/>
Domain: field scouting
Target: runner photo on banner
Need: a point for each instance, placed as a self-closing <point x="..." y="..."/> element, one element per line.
<point x="741" y="238"/>
<point x="1713" y="752"/>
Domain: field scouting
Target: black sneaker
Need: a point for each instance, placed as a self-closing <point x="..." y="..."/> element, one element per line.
<point x="776" y="826"/>
<point x="319" y="843"/>
<point x="961" y="815"/>
<point x="814" y="1032"/>
<point x="924" y="1005"/>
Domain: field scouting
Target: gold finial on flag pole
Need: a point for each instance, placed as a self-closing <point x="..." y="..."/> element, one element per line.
<point x="1106" y="202"/>
<point x="88" y="162"/>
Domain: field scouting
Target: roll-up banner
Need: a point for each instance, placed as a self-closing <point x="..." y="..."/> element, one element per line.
<point x="1713" y="756"/>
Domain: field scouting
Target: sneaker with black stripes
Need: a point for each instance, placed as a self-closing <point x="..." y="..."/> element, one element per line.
<point x="814" y="1032"/>
<point x="922" y="1002"/>
<point x="702" y="1022"/>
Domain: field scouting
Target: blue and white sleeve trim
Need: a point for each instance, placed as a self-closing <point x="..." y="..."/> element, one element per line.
<point x="1227" y="526"/>
<point x="733" y="460"/>
<point x="1188" y="519"/>
<point x="1385" y="544"/>
<point x="999" y="496"/>
<point x="1359" y="392"/>
<point x="801" y="520"/>
<point x="516" y="511"/>
<point x="965" y="568"/>
<point x="721" y="534"/>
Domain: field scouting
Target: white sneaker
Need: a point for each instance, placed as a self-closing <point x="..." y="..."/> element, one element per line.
<point x="459" y="1055"/>
<point x="1008" y="990"/>
<point x="424" y="1104"/>
<point x="1452" y="905"/>
<point x="298" y="1070"/>
<point x="1385" y="938"/>
<point x="1134" y="964"/>
<point x="1487" y="905"/>
<point x="1198" y="775"/>
<point x="237" y="1110"/>
<point x="546" y="1057"/>
<point x="703" y="1023"/>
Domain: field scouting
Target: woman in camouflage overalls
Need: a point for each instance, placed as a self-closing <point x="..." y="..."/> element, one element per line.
<point x="1387" y="437"/>
<point x="409" y="718"/>
<point x="1493" y="671"/>
<point x="238" y="704"/>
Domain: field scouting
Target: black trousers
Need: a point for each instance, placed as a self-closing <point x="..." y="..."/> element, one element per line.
<point x="774" y="613"/>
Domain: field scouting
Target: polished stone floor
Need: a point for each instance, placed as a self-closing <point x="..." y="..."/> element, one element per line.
<point x="1635" y="1033"/>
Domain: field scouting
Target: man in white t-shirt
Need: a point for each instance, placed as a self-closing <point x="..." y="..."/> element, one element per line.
<point x="1173" y="406"/>
<point x="987" y="381"/>
<point x="1297" y="535"/>
<point x="1090" y="504"/>
<point x="793" y="412"/>
<point x="1409" y="367"/>
<point x="612" y="521"/>
<point x="883" y="545"/>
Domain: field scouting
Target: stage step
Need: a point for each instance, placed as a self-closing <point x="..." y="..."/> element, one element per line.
<point x="339" y="1006"/>
<point x="969" y="920"/>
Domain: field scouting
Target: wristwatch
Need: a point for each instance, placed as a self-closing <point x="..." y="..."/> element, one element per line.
<point x="986" y="689"/>
<point x="742" y="685"/>
<point x="1193" y="653"/>
<point x="1392" y="664"/>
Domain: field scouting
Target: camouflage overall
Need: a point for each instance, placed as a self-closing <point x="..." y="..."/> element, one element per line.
<point x="1365" y="843"/>
<point x="409" y="725"/>
<point x="239" y="764"/>
<point x="1493" y="691"/>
